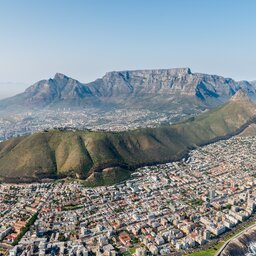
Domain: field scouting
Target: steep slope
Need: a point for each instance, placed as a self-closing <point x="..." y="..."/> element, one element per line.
<point x="162" y="89"/>
<point x="59" y="90"/>
<point x="60" y="87"/>
<point x="86" y="154"/>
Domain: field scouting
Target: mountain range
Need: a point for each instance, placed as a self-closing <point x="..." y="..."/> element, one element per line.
<point x="107" y="157"/>
<point x="161" y="90"/>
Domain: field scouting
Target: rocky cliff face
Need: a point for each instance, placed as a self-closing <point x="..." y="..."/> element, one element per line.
<point x="141" y="82"/>
<point x="180" y="81"/>
<point x="163" y="89"/>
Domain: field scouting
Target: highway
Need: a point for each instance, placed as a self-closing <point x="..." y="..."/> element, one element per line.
<point x="232" y="238"/>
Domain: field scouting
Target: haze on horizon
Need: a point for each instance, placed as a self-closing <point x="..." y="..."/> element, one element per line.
<point x="86" y="39"/>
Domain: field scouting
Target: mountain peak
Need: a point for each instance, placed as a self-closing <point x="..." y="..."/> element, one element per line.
<point x="60" y="76"/>
<point x="186" y="71"/>
<point x="240" y="95"/>
<point x="153" y="89"/>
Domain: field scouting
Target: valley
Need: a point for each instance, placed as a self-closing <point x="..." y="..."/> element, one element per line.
<point x="90" y="119"/>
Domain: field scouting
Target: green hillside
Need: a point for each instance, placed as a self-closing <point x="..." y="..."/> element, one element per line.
<point x="105" y="157"/>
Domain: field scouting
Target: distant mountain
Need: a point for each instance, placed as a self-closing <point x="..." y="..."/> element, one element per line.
<point x="107" y="157"/>
<point x="60" y="88"/>
<point x="163" y="89"/>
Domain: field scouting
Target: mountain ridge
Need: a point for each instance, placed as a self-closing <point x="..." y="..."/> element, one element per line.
<point x="164" y="89"/>
<point x="87" y="154"/>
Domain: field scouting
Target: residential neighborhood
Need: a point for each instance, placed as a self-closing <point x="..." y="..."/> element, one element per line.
<point x="167" y="209"/>
<point x="113" y="120"/>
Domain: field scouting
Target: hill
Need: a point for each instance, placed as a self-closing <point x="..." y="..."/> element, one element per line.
<point x="102" y="157"/>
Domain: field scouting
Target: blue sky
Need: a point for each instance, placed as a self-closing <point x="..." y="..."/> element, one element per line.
<point x="84" y="39"/>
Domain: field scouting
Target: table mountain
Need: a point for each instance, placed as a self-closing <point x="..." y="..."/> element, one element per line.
<point x="163" y="89"/>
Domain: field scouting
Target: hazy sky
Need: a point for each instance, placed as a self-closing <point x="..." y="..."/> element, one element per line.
<point x="84" y="39"/>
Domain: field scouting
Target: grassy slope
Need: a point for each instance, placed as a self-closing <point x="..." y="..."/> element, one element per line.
<point x="81" y="153"/>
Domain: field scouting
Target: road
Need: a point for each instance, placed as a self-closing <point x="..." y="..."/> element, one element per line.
<point x="232" y="238"/>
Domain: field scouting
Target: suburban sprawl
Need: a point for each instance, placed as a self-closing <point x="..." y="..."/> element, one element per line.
<point x="167" y="209"/>
<point x="113" y="120"/>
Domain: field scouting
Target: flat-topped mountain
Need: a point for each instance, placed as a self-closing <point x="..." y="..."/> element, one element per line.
<point x="163" y="89"/>
<point x="103" y="157"/>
